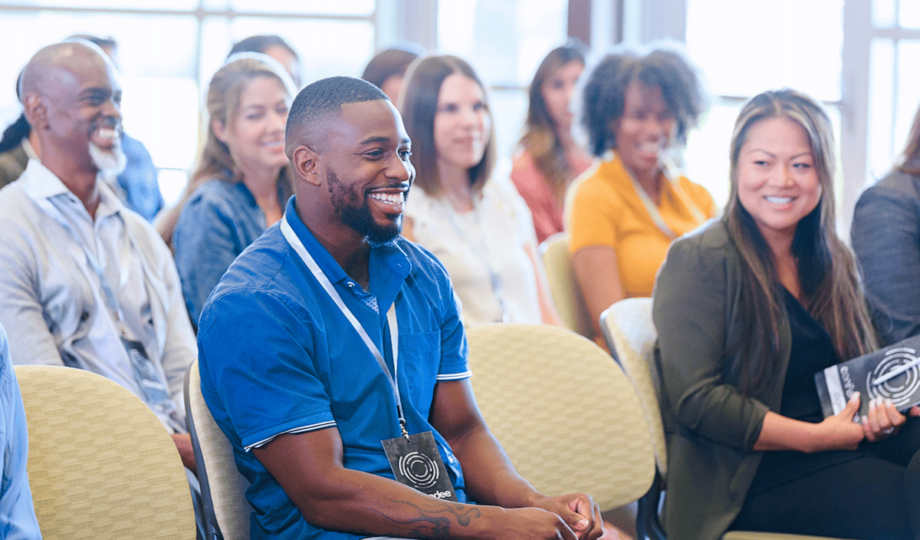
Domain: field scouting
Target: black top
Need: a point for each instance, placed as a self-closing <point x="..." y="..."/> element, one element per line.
<point x="812" y="351"/>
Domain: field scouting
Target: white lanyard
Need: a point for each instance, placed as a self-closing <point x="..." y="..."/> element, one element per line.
<point x="653" y="210"/>
<point x="481" y="250"/>
<point x="320" y="276"/>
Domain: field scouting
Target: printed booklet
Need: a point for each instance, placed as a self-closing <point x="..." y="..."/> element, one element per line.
<point x="892" y="373"/>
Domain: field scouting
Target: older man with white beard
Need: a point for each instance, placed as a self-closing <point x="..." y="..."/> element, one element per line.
<point x="84" y="282"/>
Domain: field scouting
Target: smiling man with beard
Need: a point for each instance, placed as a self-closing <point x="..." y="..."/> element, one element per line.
<point x="333" y="357"/>
<point x="84" y="282"/>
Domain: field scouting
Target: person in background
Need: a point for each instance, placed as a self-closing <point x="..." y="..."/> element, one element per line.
<point x="84" y="282"/>
<point x="137" y="184"/>
<point x="17" y="146"/>
<point x="748" y="308"/>
<point x="388" y="67"/>
<point x="270" y="45"/>
<point x="241" y="182"/>
<point x="550" y="158"/>
<point x="276" y="47"/>
<point x="623" y="214"/>
<point x="17" y="515"/>
<point x="885" y="235"/>
<point x="478" y="226"/>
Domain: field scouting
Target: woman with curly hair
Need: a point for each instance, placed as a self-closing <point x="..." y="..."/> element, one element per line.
<point x="626" y="210"/>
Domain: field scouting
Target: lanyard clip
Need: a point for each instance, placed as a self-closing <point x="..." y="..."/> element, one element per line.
<point x="402" y="428"/>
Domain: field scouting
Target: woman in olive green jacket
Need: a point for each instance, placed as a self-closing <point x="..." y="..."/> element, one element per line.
<point x="765" y="292"/>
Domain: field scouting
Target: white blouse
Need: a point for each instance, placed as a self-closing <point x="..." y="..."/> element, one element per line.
<point x="485" y="252"/>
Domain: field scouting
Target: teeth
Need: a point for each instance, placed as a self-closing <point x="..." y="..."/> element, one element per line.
<point x="107" y="133"/>
<point x="779" y="200"/>
<point x="274" y="144"/>
<point x="649" y="147"/>
<point x="389" y="198"/>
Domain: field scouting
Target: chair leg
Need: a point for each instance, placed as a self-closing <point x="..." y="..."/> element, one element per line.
<point x="648" y="525"/>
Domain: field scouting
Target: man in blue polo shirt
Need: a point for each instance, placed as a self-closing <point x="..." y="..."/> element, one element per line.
<point x="333" y="357"/>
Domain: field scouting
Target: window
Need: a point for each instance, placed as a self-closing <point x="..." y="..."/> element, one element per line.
<point x="774" y="50"/>
<point x="505" y="41"/>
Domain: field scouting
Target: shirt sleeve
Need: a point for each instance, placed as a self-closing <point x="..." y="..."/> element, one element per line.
<point x="17" y="515"/>
<point x="593" y="217"/>
<point x="886" y="239"/>
<point x="527" y="179"/>
<point x="689" y="310"/>
<point x="454" y="361"/>
<point x="261" y="382"/>
<point x="204" y="248"/>
<point x="179" y="349"/>
<point x="21" y="311"/>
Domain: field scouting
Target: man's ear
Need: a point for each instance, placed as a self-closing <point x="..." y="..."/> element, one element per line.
<point x="219" y="129"/>
<point x="304" y="163"/>
<point x="35" y="110"/>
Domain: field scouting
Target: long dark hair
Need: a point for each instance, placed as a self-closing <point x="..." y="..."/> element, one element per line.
<point x="827" y="269"/>
<point x="418" y="106"/>
<point x="391" y="62"/>
<point x="15" y="133"/>
<point x="541" y="134"/>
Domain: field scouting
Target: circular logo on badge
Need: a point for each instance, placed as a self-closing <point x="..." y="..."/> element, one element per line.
<point x="418" y="469"/>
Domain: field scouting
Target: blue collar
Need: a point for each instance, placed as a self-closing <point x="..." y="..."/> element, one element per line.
<point x="388" y="266"/>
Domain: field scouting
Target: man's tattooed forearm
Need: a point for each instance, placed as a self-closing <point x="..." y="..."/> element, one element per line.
<point x="434" y="520"/>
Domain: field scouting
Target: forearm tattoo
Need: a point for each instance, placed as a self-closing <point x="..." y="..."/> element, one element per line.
<point x="436" y="519"/>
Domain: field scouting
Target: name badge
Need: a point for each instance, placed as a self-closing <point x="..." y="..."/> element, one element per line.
<point x="416" y="463"/>
<point x="153" y="388"/>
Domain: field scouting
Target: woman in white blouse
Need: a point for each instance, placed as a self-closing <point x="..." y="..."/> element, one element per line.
<point x="479" y="227"/>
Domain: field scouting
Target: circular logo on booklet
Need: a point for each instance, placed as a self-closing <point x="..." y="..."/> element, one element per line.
<point x="900" y="389"/>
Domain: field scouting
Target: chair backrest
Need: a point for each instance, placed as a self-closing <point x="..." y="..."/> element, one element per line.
<point x="566" y="415"/>
<point x="562" y="285"/>
<point x="223" y="488"/>
<point x="630" y="335"/>
<point x="101" y="465"/>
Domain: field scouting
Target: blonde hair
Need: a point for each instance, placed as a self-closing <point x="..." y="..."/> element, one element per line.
<point x="827" y="269"/>
<point x="223" y="101"/>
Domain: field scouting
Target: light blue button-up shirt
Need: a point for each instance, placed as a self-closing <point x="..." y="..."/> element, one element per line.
<point x="17" y="517"/>
<point x="52" y="304"/>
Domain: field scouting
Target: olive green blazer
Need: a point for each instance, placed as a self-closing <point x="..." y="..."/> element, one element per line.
<point x="711" y="428"/>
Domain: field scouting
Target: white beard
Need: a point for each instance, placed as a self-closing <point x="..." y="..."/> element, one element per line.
<point x="109" y="163"/>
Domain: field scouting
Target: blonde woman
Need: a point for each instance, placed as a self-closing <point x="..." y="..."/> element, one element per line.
<point x="241" y="182"/>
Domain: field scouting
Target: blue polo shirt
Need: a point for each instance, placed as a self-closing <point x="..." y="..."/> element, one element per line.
<point x="277" y="356"/>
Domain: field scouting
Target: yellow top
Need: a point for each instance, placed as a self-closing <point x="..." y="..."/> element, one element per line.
<point x="604" y="209"/>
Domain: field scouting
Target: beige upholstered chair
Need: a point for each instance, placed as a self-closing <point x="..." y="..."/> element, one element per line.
<point x="223" y="488"/>
<point x="562" y="285"/>
<point x="101" y="465"/>
<point x="630" y="333"/>
<point x="531" y="383"/>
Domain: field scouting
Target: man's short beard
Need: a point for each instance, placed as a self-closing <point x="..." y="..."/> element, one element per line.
<point x="109" y="162"/>
<point x="355" y="213"/>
